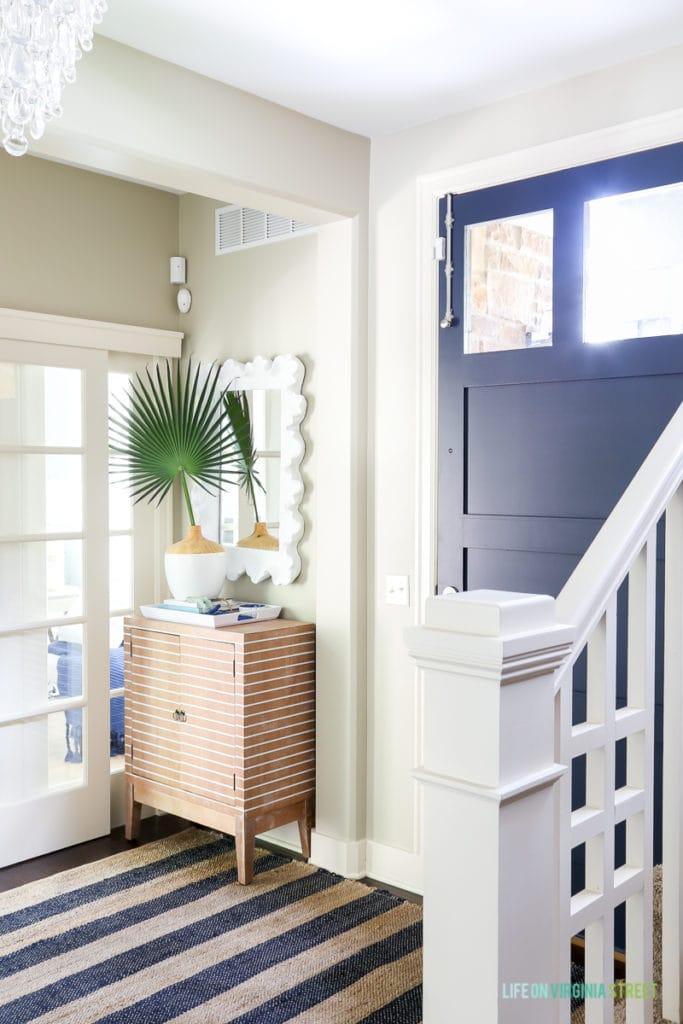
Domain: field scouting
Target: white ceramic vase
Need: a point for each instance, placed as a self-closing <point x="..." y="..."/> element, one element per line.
<point x="195" y="566"/>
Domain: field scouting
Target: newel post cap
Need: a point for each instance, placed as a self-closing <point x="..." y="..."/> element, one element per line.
<point x="492" y="613"/>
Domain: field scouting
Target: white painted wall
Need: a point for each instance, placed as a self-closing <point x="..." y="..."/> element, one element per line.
<point x="604" y="100"/>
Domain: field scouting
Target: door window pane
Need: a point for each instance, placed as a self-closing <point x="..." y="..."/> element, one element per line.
<point x="40" y="580"/>
<point x="40" y="666"/>
<point x="40" y="405"/>
<point x="508" y="283"/>
<point x="42" y="755"/>
<point x="41" y="494"/>
<point x="633" y="265"/>
<point x="120" y="506"/>
<point x="120" y="502"/>
<point x="120" y="573"/>
<point x="116" y="702"/>
<point x="116" y="733"/>
<point x="115" y="631"/>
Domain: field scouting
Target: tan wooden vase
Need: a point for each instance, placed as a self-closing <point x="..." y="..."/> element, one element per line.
<point x="260" y="539"/>
<point x="195" y="566"/>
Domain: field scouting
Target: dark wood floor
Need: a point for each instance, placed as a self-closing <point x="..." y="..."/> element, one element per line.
<point x="152" y="828"/>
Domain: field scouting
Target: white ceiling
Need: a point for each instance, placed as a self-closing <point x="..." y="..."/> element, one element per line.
<point x="374" y="67"/>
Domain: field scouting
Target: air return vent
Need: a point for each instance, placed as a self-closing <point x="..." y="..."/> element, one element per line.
<point x="238" y="227"/>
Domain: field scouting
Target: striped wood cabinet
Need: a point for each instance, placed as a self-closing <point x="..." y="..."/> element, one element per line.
<point x="220" y="727"/>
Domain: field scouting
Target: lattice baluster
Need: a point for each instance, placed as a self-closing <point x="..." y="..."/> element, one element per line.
<point x="600" y="966"/>
<point x="563" y="804"/>
<point x="601" y="696"/>
<point x="640" y="772"/>
<point x="672" y="917"/>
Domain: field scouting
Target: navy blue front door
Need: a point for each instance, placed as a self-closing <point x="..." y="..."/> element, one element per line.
<point x="537" y="443"/>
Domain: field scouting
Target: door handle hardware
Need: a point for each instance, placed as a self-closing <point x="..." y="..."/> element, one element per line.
<point x="179" y="715"/>
<point x="449" y="316"/>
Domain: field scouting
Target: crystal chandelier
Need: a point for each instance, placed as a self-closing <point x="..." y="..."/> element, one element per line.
<point x="40" y="42"/>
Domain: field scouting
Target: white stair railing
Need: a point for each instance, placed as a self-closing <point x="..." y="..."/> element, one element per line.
<point x="592" y="825"/>
<point x="623" y="555"/>
<point x="488" y="765"/>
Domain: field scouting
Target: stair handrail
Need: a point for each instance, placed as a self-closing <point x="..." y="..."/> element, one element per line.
<point x="609" y="557"/>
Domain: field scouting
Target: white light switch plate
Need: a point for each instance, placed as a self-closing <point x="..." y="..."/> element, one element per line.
<point x="397" y="589"/>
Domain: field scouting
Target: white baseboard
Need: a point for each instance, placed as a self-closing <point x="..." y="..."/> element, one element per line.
<point x="366" y="858"/>
<point x="388" y="864"/>
<point x="342" y="856"/>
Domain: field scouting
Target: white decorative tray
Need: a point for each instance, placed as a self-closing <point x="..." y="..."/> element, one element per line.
<point x="231" y="616"/>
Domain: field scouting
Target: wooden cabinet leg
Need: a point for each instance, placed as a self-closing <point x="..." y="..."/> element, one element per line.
<point x="133" y="809"/>
<point x="305" y="822"/>
<point x="244" y="842"/>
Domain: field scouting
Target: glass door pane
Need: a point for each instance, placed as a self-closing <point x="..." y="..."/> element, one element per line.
<point x="41" y="580"/>
<point x="41" y="406"/>
<point x="508" y="283"/>
<point x="633" y="262"/>
<point x="41" y="493"/>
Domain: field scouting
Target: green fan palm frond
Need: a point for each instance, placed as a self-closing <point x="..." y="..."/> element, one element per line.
<point x="237" y="411"/>
<point x="172" y="425"/>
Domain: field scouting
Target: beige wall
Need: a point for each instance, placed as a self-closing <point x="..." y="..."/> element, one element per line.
<point x="259" y="302"/>
<point x="640" y="89"/>
<point x="80" y="244"/>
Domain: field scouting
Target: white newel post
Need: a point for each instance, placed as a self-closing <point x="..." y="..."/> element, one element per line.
<point x="490" y="890"/>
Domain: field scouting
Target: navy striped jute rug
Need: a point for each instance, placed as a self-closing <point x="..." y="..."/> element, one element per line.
<point x="163" y="932"/>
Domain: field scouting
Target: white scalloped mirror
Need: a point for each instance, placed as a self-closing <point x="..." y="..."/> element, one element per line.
<point x="277" y="408"/>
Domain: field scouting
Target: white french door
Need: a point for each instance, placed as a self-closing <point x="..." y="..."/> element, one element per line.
<point x="54" y="598"/>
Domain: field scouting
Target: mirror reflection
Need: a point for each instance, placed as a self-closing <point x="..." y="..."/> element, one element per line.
<point x="247" y="523"/>
<point x="266" y="543"/>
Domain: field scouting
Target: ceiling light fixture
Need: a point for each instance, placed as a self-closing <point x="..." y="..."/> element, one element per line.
<point x="40" y="42"/>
